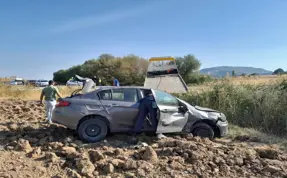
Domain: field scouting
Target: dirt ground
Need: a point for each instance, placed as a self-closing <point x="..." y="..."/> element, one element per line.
<point x="31" y="148"/>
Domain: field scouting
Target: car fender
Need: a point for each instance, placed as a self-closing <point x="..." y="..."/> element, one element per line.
<point x="194" y="118"/>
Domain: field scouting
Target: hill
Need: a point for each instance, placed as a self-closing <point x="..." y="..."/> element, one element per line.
<point x="221" y="71"/>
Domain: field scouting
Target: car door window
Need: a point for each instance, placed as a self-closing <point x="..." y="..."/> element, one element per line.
<point x="125" y="94"/>
<point x="163" y="98"/>
<point x="105" y="95"/>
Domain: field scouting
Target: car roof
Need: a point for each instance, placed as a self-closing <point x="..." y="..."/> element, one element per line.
<point x="119" y="87"/>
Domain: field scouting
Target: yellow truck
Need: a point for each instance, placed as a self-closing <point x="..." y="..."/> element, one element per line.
<point x="163" y="74"/>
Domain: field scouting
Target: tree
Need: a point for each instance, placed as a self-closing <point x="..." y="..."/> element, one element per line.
<point x="278" y="71"/>
<point x="187" y="65"/>
<point x="129" y="70"/>
<point x="233" y="73"/>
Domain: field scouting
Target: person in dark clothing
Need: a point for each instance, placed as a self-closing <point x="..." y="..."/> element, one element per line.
<point x="147" y="106"/>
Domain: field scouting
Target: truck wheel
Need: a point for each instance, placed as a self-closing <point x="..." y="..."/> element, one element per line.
<point x="203" y="130"/>
<point x="92" y="130"/>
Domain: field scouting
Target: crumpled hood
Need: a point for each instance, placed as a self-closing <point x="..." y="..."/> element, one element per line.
<point x="202" y="112"/>
<point x="205" y="109"/>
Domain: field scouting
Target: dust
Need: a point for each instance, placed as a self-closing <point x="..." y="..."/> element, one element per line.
<point x="29" y="147"/>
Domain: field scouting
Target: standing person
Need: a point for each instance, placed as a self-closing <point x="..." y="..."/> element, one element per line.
<point x="50" y="99"/>
<point x="116" y="82"/>
<point x="147" y="106"/>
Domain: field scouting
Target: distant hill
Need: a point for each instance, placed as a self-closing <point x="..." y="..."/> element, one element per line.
<point x="221" y="71"/>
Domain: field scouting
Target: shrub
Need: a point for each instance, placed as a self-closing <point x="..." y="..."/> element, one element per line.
<point x="196" y="78"/>
<point x="256" y="106"/>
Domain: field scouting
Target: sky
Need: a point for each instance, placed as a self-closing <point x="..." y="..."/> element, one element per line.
<point x="38" y="38"/>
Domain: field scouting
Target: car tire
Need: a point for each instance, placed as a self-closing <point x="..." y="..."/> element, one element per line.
<point x="92" y="130"/>
<point x="203" y="130"/>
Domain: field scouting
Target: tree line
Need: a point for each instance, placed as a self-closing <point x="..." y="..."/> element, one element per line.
<point x="129" y="70"/>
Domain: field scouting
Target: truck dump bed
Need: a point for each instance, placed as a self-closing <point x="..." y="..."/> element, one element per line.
<point x="163" y="74"/>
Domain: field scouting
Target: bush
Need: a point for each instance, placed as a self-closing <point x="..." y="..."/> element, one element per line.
<point x="260" y="107"/>
<point x="196" y="78"/>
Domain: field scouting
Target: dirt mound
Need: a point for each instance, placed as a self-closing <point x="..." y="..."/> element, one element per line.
<point x="31" y="148"/>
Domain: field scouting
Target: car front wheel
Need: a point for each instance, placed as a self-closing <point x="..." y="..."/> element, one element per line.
<point x="203" y="130"/>
<point x="92" y="130"/>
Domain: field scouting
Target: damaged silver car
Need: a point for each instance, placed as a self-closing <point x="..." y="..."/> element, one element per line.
<point x="105" y="110"/>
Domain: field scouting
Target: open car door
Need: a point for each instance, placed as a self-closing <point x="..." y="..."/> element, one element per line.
<point x="171" y="118"/>
<point x="163" y="74"/>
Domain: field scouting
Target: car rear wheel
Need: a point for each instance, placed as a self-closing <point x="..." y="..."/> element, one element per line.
<point x="203" y="130"/>
<point x="92" y="130"/>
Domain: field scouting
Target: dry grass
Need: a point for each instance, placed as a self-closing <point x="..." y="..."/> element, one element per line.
<point x="29" y="92"/>
<point x="252" y="80"/>
<point x="253" y="135"/>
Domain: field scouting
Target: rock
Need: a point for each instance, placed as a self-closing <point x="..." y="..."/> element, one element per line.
<point x="51" y="157"/>
<point x="239" y="161"/>
<point x="185" y="155"/>
<point x="109" y="168"/>
<point x="41" y="170"/>
<point x="148" y="167"/>
<point x="130" y="175"/>
<point x="72" y="173"/>
<point x="10" y="148"/>
<point x="155" y="145"/>
<point x="176" y="165"/>
<point x="141" y="173"/>
<point x="36" y="153"/>
<point x="271" y="169"/>
<point x="269" y="153"/>
<point x="130" y="164"/>
<point x="13" y="127"/>
<point x="85" y="166"/>
<point x="68" y="140"/>
<point x="117" y="163"/>
<point x="96" y="155"/>
<point x="118" y="152"/>
<point x="24" y="145"/>
<point x="150" y="155"/>
<point x="56" y="145"/>
<point x="69" y="150"/>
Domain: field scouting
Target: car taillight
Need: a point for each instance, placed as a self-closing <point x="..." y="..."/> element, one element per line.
<point x="62" y="103"/>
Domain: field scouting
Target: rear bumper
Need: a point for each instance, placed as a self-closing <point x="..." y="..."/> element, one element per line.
<point x="65" y="117"/>
<point x="223" y="128"/>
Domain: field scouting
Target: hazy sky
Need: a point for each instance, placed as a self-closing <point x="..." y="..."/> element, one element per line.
<point x="39" y="37"/>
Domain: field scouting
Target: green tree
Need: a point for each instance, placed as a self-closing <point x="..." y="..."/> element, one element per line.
<point x="278" y="71"/>
<point x="233" y="73"/>
<point x="187" y="65"/>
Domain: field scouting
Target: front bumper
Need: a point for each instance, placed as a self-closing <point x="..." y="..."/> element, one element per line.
<point x="223" y="128"/>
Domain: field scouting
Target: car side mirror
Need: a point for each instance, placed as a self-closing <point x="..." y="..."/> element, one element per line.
<point x="181" y="109"/>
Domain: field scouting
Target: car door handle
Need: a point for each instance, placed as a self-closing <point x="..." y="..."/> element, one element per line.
<point x="114" y="105"/>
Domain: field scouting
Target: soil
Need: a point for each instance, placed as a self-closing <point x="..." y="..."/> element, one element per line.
<point x="29" y="147"/>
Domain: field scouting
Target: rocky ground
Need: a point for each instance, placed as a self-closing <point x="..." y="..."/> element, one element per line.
<point x="31" y="148"/>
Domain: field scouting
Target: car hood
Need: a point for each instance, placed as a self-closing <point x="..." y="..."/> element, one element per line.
<point x="205" y="109"/>
<point x="199" y="108"/>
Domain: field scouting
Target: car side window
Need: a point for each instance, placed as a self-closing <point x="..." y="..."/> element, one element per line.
<point x="105" y="95"/>
<point x="163" y="98"/>
<point x="125" y="94"/>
